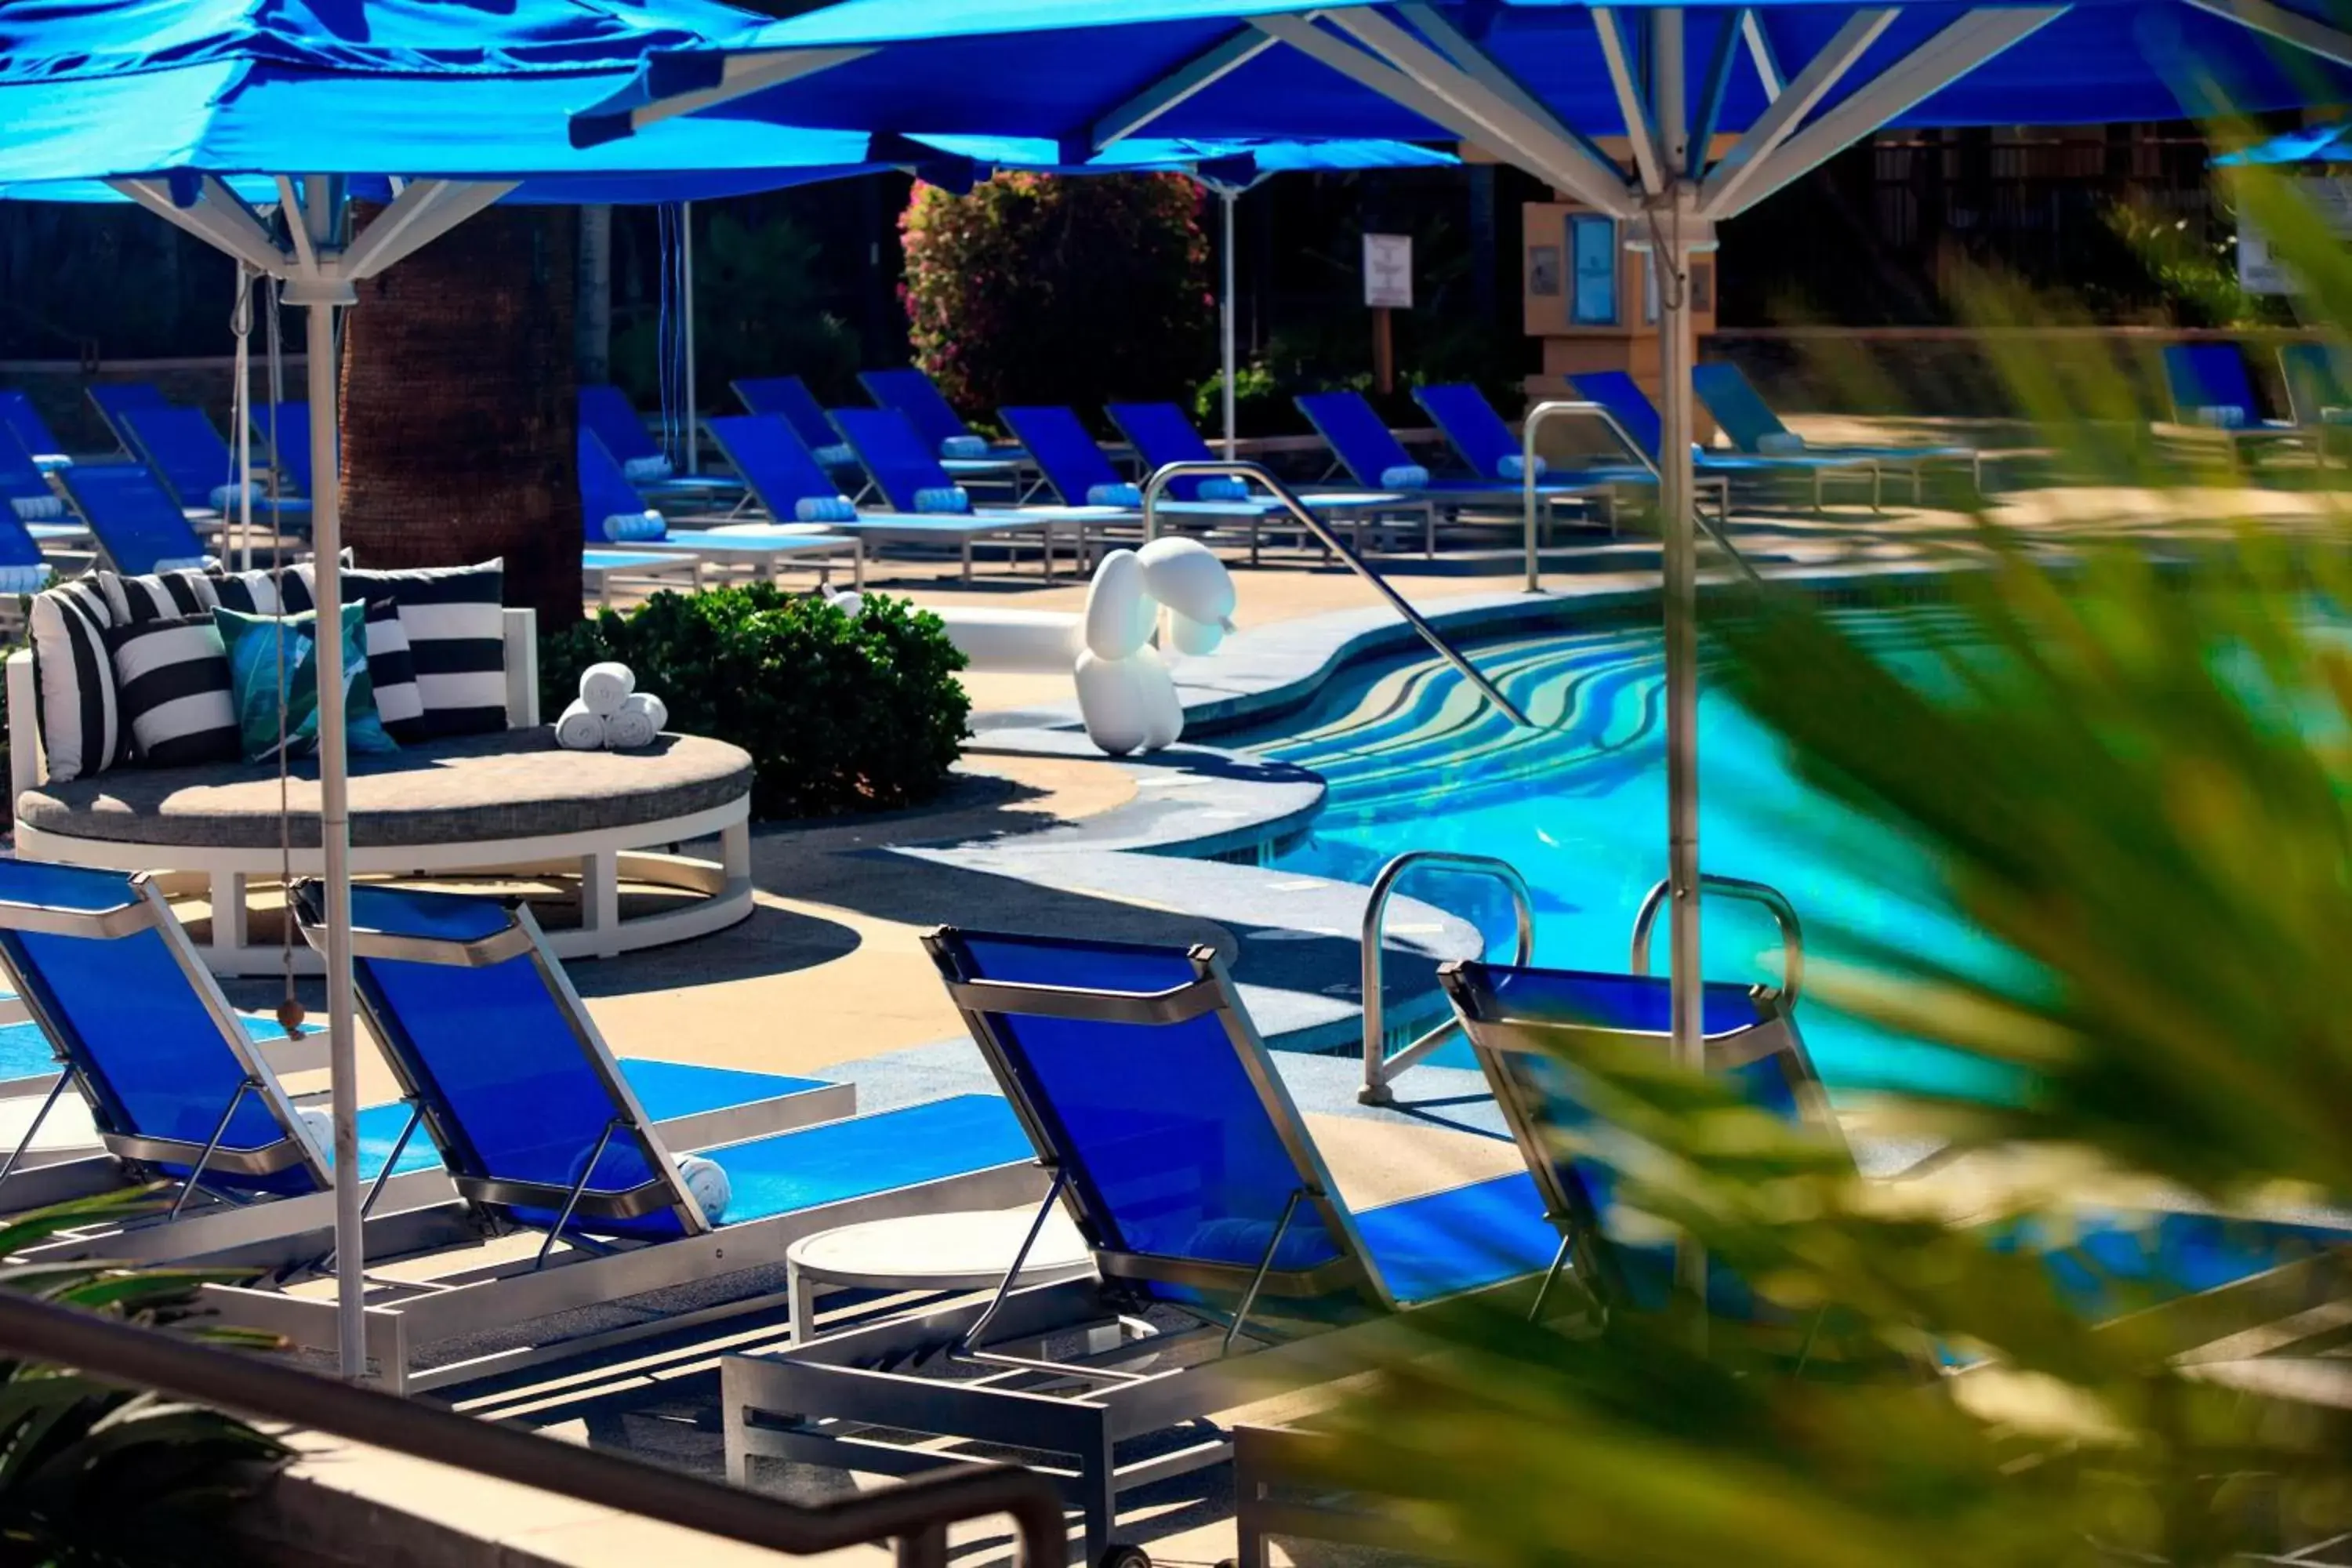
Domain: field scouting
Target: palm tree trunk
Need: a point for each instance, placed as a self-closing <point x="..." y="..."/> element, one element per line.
<point x="458" y="409"/>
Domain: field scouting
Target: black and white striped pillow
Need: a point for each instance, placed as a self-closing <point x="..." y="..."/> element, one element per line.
<point x="455" y="620"/>
<point x="158" y="596"/>
<point x="393" y="668"/>
<point x="173" y="678"/>
<point x="81" y="726"/>
<point x="262" y="593"/>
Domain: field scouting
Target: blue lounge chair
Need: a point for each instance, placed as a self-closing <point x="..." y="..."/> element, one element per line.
<point x="783" y="476"/>
<point x="19" y="418"/>
<point x="607" y="411"/>
<point x="1367" y="448"/>
<point x="1531" y="1028"/>
<point x="914" y="397"/>
<point x="181" y="448"/>
<point x="2210" y="388"/>
<point x="917" y="483"/>
<point x="289" y="451"/>
<point x="789" y="398"/>
<point x="37" y="511"/>
<point x="604" y="570"/>
<point x="111" y="397"/>
<point x="1757" y="431"/>
<point x="1631" y="407"/>
<point x="1080" y="471"/>
<point x="618" y="523"/>
<point x="1177" y="1151"/>
<point x="2318" y="388"/>
<point x="139" y="526"/>
<point x="23" y="569"/>
<point x="1481" y="439"/>
<point x="543" y="1132"/>
<point x="182" y="1088"/>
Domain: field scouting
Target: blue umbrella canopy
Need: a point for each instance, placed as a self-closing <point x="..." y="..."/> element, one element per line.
<point x="346" y="87"/>
<point x="1063" y="68"/>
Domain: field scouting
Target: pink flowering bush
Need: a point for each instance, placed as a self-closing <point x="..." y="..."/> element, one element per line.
<point x="1037" y="288"/>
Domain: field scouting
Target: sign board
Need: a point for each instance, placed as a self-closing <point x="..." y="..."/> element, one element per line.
<point x="1388" y="271"/>
<point x="2259" y="272"/>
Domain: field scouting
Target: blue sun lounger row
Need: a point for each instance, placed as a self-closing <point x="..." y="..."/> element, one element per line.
<point x="785" y="477"/>
<point x="908" y="394"/>
<point x="1368" y="451"/>
<point x="1080" y="472"/>
<point x="527" y="1124"/>
<point x="1631" y="407"/>
<point x="627" y="539"/>
<point x="181" y="1087"/>
<point x="605" y="411"/>
<point x="1754" y="429"/>
<point x="181" y="448"/>
<point x="139" y="527"/>
<point x="1179" y="1155"/>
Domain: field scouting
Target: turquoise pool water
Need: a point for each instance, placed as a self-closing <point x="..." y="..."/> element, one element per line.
<point x="1414" y="759"/>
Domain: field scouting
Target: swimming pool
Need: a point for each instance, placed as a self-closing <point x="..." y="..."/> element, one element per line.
<point x="1414" y="759"/>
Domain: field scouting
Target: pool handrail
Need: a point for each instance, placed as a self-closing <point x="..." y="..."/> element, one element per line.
<point x="1529" y="477"/>
<point x="1162" y="477"/>
<point x="1380" y="1064"/>
<point x="1775" y="902"/>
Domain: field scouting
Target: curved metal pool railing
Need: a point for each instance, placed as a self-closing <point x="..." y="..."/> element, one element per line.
<point x="1542" y="413"/>
<point x="1291" y="502"/>
<point x="1380" y="1064"/>
<point x="915" y="1512"/>
<point x="1783" y="912"/>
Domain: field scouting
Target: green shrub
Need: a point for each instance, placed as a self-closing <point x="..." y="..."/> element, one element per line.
<point x="840" y="712"/>
<point x="1039" y="289"/>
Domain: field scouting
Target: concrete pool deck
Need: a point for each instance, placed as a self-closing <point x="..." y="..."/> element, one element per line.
<point x="828" y="977"/>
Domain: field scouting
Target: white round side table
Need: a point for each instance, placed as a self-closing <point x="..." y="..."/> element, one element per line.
<point x="930" y="1252"/>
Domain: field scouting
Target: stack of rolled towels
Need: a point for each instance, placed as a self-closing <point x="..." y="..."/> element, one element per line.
<point x="611" y="714"/>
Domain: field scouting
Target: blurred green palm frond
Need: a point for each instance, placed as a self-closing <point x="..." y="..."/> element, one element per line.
<point x="2128" y="765"/>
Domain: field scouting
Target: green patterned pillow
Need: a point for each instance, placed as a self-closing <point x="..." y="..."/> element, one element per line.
<point x="266" y="655"/>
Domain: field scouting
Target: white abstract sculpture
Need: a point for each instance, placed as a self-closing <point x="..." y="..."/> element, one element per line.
<point x="1127" y="697"/>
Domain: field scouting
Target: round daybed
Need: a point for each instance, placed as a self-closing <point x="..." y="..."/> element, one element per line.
<point x="509" y="803"/>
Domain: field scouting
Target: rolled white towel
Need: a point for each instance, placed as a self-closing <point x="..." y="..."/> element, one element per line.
<point x="604" y="686"/>
<point x="637" y="724"/>
<point x="580" y="730"/>
<point x="706" y="1183"/>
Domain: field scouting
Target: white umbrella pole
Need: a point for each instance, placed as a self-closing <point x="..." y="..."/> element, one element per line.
<point x="241" y="410"/>
<point x="1677" y="354"/>
<point x="320" y="294"/>
<point x="1675" y="229"/>
<point x="1225" y="310"/>
<point x="685" y="272"/>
